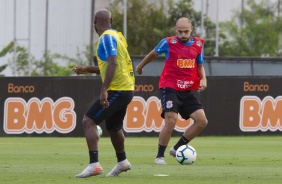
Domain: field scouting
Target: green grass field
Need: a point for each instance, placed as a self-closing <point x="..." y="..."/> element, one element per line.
<point x="244" y="159"/>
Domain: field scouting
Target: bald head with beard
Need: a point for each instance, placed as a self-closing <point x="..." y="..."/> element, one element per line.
<point x="183" y="29"/>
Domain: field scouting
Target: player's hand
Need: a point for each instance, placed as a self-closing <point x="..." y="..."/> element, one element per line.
<point x="79" y="69"/>
<point x="104" y="99"/>
<point x="203" y="85"/>
<point x="139" y="70"/>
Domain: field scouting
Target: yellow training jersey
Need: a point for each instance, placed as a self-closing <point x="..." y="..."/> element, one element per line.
<point x="124" y="76"/>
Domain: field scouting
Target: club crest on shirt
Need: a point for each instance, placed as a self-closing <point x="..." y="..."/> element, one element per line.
<point x="173" y="41"/>
<point x="169" y="104"/>
<point x="199" y="43"/>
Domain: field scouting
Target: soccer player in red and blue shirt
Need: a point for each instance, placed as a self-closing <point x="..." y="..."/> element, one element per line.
<point x="183" y="71"/>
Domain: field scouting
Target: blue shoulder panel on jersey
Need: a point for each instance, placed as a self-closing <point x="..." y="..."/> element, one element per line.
<point x="107" y="47"/>
<point x="162" y="47"/>
<point x="200" y="58"/>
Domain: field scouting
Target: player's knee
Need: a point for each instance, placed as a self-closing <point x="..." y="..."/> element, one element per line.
<point x="171" y="121"/>
<point x="203" y="122"/>
<point x="206" y="122"/>
<point x="171" y="118"/>
<point x="87" y="122"/>
<point x="170" y="124"/>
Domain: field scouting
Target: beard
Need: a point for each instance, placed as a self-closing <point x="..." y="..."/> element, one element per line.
<point x="184" y="40"/>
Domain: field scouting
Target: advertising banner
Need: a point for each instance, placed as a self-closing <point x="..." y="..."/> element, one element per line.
<point x="243" y="105"/>
<point x="54" y="106"/>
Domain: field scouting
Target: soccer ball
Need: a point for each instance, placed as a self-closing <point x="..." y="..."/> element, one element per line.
<point x="186" y="155"/>
<point x="100" y="131"/>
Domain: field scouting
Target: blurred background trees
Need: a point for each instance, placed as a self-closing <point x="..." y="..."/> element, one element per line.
<point x="148" y="23"/>
<point x="3" y="53"/>
<point x="253" y="31"/>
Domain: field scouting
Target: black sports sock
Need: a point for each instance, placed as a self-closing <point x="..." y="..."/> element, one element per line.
<point x="121" y="156"/>
<point x="181" y="141"/>
<point x="93" y="155"/>
<point x="161" y="150"/>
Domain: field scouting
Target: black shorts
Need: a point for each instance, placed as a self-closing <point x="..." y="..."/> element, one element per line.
<point x="114" y="114"/>
<point x="182" y="102"/>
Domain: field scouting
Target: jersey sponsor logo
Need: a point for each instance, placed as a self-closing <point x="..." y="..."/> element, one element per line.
<point x="199" y="43"/>
<point x="184" y="84"/>
<point x="39" y="115"/>
<point x="145" y="115"/>
<point x="173" y="41"/>
<point x="186" y="63"/>
<point x="263" y="115"/>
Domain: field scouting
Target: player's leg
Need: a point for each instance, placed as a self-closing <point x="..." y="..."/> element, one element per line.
<point x="92" y="138"/>
<point x="93" y="117"/>
<point x="169" y="113"/>
<point x="192" y="108"/>
<point x="117" y="139"/>
<point x="114" y="125"/>
<point x="123" y="164"/>
<point x="165" y="135"/>
<point x="200" y="122"/>
<point x="91" y="133"/>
